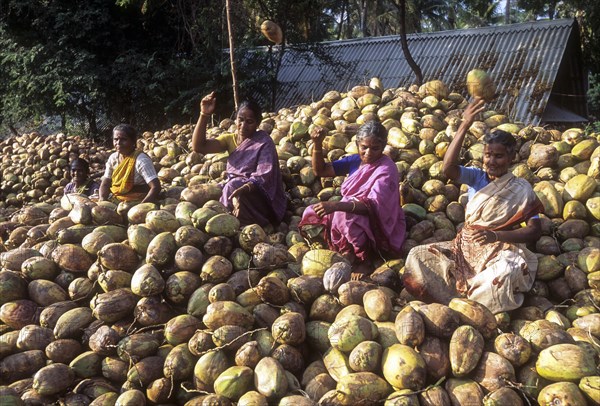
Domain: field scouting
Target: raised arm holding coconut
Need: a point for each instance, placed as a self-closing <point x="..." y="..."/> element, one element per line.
<point x="253" y="190"/>
<point x="487" y="261"/>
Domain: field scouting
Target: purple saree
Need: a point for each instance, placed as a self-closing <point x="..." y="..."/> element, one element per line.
<point x="383" y="229"/>
<point x="255" y="160"/>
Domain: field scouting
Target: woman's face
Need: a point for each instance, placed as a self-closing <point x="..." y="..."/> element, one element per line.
<point x="496" y="160"/>
<point x="123" y="143"/>
<point x="370" y="149"/>
<point x="79" y="174"/>
<point x="246" y="123"/>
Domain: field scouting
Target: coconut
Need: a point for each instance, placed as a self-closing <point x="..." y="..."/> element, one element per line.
<point x="475" y="314"/>
<point x="579" y="187"/>
<point x="316" y="262"/>
<point x="378" y="305"/>
<point x="230" y="337"/>
<point x="466" y="348"/>
<point x="71" y="323"/>
<point x="13" y="259"/>
<point x="463" y="391"/>
<point x="53" y="379"/>
<point x="305" y="289"/>
<point x="480" y="84"/>
<point x="63" y="350"/>
<point x="409" y="327"/>
<point x="272" y="290"/>
<point x="118" y="256"/>
<point x="366" y="357"/>
<point x="565" y="393"/>
<point x="270" y="379"/>
<point x="147" y="281"/>
<point x="513" y="347"/>
<point x="161" y="221"/>
<point x="180" y="286"/>
<point x="223" y="224"/>
<point x="139" y="238"/>
<point x="403" y="367"/>
<point x="564" y="362"/>
<point x="248" y="354"/>
<point x="22" y="365"/>
<point x="336" y="275"/>
<point x="219" y="314"/>
<point x="267" y="256"/>
<point x="362" y="387"/>
<point x="161" y="249"/>
<point x="336" y="363"/>
<point x="188" y="258"/>
<point x="114" y="305"/>
<point x="289" y="328"/>
<point x="72" y="258"/>
<point x="138" y="346"/>
<point x="326" y="308"/>
<point x="220" y="292"/>
<point x="588" y="259"/>
<point x="435" y="353"/>
<point x="440" y="320"/>
<point x="32" y="337"/>
<point x="12" y="286"/>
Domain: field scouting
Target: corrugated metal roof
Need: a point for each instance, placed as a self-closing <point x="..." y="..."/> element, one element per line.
<point x="523" y="59"/>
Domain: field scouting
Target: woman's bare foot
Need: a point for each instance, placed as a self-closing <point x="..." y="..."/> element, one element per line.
<point x="361" y="271"/>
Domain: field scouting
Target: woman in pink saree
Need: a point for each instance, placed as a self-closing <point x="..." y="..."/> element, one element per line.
<point x="253" y="190"/>
<point x="488" y="261"/>
<point x="368" y="220"/>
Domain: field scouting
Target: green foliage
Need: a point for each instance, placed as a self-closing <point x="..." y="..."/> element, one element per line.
<point x="99" y="63"/>
<point x="594" y="98"/>
<point x="95" y="63"/>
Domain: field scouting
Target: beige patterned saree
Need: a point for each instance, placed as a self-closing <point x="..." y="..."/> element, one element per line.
<point x="495" y="274"/>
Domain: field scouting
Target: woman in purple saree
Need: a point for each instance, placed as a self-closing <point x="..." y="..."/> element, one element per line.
<point x="368" y="220"/>
<point x="253" y="190"/>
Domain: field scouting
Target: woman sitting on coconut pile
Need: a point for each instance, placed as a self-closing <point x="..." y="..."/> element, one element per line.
<point x="130" y="175"/>
<point x="80" y="179"/>
<point x="487" y="261"/>
<point x="253" y="190"/>
<point x="368" y="221"/>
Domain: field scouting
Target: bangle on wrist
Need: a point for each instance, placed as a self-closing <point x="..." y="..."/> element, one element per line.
<point x="204" y="114"/>
<point x="495" y="235"/>
<point x="353" y="207"/>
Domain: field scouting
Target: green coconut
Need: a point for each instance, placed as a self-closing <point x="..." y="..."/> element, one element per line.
<point x="564" y="362"/>
<point x="403" y="367"/>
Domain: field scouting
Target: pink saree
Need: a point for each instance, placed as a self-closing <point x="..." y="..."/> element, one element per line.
<point x="383" y="229"/>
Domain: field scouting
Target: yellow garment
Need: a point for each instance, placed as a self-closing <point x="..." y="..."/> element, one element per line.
<point x="122" y="179"/>
<point x="228" y="141"/>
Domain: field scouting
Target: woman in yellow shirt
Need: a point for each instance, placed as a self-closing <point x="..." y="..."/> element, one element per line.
<point x="129" y="173"/>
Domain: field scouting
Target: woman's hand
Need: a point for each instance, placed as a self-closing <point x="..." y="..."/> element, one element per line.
<point x="246" y="188"/>
<point x="208" y="103"/>
<point x="473" y="109"/>
<point x="317" y="135"/>
<point x="482" y="236"/>
<point x="324" y="208"/>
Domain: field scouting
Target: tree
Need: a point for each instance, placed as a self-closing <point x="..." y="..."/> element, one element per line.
<point x="98" y="63"/>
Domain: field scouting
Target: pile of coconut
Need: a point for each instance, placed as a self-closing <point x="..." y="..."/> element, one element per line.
<point x="175" y="303"/>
